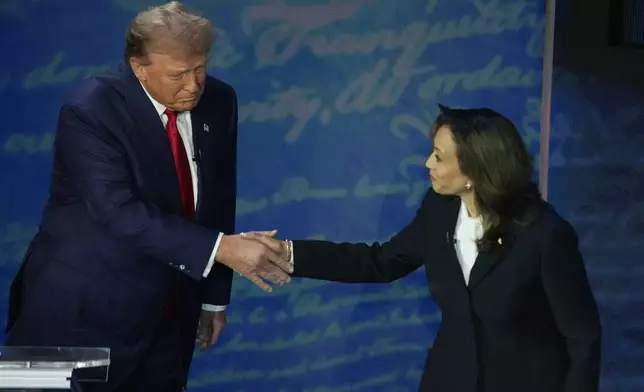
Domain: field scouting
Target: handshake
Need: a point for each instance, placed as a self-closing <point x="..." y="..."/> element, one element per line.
<point x="258" y="256"/>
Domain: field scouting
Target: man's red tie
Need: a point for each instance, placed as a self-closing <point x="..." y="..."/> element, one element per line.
<point x="184" y="176"/>
<point x="182" y="165"/>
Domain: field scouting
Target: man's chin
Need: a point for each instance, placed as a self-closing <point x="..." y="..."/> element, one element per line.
<point x="184" y="106"/>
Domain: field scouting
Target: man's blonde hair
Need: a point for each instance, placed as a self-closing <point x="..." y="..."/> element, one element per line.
<point x="168" y="27"/>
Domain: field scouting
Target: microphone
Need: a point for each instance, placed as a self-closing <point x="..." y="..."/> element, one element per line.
<point x="449" y="238"/>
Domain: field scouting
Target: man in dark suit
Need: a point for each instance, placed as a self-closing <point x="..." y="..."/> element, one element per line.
<point x="136" y="247"/>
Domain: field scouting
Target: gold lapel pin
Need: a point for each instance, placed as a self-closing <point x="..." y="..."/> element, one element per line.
<point x="500" y="241"/>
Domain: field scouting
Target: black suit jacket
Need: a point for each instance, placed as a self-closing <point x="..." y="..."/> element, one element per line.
<point x="527" y="321"/>
<point x="112" y="245"/>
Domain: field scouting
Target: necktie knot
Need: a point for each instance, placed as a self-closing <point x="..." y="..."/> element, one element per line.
<point x="182" y="165"/>
<point x="172" y="115"/>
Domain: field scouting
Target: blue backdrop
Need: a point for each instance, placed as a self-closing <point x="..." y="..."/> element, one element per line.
<point x="336" y="99"/>
<point x="596" y="172"/>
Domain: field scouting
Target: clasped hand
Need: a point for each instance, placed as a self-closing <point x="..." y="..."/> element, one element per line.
<point x="259" y="257"/>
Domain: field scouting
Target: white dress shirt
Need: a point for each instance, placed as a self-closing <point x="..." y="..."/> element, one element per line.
<point x="468" y="231"/>
<point x="184" y="124"/>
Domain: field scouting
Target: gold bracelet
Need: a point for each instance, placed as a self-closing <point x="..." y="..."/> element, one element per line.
<point x="288" y="250"/>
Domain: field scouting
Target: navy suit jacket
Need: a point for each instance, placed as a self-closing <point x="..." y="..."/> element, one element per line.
<point x="527" y="320"/>
<point x="112" y="243"/>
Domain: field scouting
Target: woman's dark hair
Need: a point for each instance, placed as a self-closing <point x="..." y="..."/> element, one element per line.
<point x="492" y="154"/>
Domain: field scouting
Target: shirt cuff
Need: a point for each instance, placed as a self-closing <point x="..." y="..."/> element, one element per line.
<point x="211" y="261"/>
<point x="292" y="260"/>
<point x="213" y="308"/>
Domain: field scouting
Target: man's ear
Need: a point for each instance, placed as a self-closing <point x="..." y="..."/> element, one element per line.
<point x="139" y="69"/>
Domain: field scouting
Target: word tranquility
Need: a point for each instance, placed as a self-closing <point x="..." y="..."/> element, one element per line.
<point x="289" y="34"/>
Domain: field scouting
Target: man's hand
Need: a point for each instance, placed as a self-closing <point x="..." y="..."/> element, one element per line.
<point x="254" y="260"/>
<point x="210" y="326"/>
<point x="267" y="238"/>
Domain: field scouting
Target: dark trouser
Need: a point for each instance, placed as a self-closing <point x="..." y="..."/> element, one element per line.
<point x="164" y="367"/>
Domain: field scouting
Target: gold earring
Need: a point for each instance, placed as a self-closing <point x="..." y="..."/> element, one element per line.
<point x="468" y="186"/>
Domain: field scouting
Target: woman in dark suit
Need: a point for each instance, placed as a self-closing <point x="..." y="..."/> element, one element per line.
<point x="503" y="267"/>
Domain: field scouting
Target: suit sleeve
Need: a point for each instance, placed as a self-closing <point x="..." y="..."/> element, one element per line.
<point x="363" y="263"/>
<point x="217" y="286"/>
<point x="574" y="308"/>
<point x="97" y="164"/>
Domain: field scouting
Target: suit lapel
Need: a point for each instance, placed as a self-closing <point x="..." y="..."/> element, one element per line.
<point x="208" y="130"/>
<point x="487" y="260"/>
<point x="451" y="211"/>
<point x="199" y="140"/>
<point x="150" y="138"/>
